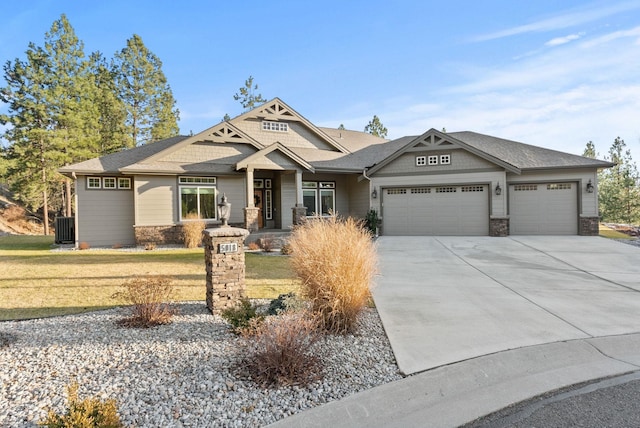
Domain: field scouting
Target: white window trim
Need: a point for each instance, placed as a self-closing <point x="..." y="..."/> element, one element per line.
<point x="197" y="187"/>
<point x="318" y="188"/>
<point x="432" y="160"/>
<point x="185" y="179"/>
<point x="268" y="125"/>
<point x="90" y="186"/>
<point x="445" y="159"/>
<point x="421" y="161"/>
<point x="128" y="180"/>
<point x="113" y="183"/>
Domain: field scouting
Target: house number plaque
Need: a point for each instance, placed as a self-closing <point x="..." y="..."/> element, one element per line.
<point x="228" y="247"/>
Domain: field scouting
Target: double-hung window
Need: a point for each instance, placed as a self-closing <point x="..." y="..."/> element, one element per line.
<point x="197" y="198"/>
<point x="319" y="197"/>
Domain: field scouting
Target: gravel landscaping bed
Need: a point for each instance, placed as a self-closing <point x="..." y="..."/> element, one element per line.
<point x="181" y="374"/>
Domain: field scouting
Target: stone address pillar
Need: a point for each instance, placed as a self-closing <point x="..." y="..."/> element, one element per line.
<point x="224" y="260"/>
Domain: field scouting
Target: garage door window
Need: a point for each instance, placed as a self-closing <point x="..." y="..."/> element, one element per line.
<point x="524" y="187"/>
<point x="448" y="189"/>
<point x="559" y="186"/>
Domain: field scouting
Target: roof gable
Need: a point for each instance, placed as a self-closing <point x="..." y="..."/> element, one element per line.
<point x="436" y="140"/>
<point x="264" y="159"/>
<point x="278" y="110"/>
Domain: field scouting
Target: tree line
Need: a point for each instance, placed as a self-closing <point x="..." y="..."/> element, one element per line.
<point x="618" y="186"/>
<point x="65" y="107"/>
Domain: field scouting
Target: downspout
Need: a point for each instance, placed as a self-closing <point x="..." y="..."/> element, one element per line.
<point x="75" y="211"/>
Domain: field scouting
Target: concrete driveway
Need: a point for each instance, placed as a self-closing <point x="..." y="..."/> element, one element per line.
<point x="448" y="299"/>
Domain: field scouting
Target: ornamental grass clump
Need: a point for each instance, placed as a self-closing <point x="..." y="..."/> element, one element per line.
<point x="336" y="261"/>
<point x="88" y="413"/>
<point x="279" y="351"/>
<point x="192" y="231"/>
<point x="150" y="298"/>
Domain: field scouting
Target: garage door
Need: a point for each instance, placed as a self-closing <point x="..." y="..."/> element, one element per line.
<point x="442" y="210"/>
<point x="543" y="209"/>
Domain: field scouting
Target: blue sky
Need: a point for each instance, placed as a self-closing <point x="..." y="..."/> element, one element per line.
<point x="550" y="73"/>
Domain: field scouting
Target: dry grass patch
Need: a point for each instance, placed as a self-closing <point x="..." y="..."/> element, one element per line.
<point x="336" y="261"/>
<point x="37" y="282"/>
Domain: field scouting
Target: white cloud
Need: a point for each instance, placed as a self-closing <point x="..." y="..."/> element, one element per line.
<point x="563" y="40"/>
<point x="565" y="19"/>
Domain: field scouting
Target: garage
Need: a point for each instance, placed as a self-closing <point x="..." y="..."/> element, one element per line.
<point x="543" y="208"/>
<point x="436" y="210"/>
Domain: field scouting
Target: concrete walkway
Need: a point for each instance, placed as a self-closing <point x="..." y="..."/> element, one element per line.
<point x="483" y="323"/>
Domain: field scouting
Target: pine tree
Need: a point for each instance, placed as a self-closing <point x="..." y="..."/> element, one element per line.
<point x="375" y="127"/>
<point x="619" y="187"/>
<point x="143" y="88"/>
<point x="247" y="95"/>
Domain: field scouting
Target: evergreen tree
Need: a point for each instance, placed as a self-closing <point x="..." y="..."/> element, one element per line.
<point x="143" y="88"/>
<point x="619" y="186"/>
<point x="31" y="154"/>
<point x="375" y="127"/>
<point x="341" y="127"/>
<point x="247" y="95"/>
<point x="590" y="151"/>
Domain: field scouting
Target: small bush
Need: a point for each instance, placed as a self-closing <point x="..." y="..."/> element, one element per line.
<point x="267" y="243"/>
<point x="336" y="261"/>
<point x="88" y="413"/>
<point x="149" y="297"/>
<point x="285" y="303"/>
<point x="84" y="246"/>
<point x="280" y="351"/>
<point x="150" y="246"/>
<point x="286" y="249"/>
<point x="192" y="231"/>
<point x="243" y="317"/>
<point x="253" y="246"/>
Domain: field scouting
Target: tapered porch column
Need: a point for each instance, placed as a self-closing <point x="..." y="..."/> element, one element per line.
<point x="250" y="212"/>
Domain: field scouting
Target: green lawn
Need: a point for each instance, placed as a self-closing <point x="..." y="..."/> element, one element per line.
<point x="607" y="232"/>
<point x="37" y="282"/>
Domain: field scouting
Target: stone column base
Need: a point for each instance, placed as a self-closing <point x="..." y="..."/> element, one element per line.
<point x="499" y="226"/>
<point x="299" y="214"/>
<point x="589" y="226"/>
<point x="224" y="261"/>
<point x="251" y="218"/>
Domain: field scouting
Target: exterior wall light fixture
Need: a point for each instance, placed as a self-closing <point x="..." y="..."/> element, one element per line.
<point x="589" y="187"/>
<point x="374" y="194"/>
<point x="498" y="189"/>
<point x="224" y="210"/>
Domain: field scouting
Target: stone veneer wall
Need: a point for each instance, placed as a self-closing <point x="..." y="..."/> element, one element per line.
<point x="299" y="214"/>
<point x="225" y="270"/>
<point x="589" y="226"/>
<point x="159" y="235"/>
<point x="499" y="226"/>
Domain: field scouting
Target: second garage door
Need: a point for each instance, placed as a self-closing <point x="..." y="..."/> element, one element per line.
<point x="436" y="210"/>
<point x="543" y="209"/>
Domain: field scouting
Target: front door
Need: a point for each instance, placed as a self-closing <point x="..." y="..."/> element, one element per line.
<point x="258" y="201"/>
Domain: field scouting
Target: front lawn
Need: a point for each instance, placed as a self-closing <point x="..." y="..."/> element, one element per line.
<point x="38" y="282"/>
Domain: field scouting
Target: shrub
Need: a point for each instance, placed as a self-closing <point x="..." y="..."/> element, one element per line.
<point x="192" y="231"/>
<point x="285" y="303"/>
<point x="336" y="261"/>
<point x="242" y="317"/>
<point x="150" y="246"/>
<point x="286" y="249"/>
<point x="88" y="413"/>
<point x="253" y="246"/>
<point x="149" y="297"/>
<point x="84" y="246"/>
<point x="280" y="351"/>
<point x="267" y="243"/>
<point x="371" y="222"/>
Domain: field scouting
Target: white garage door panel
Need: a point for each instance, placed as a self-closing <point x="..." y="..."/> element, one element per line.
<point x="543" y="209"/>
<point x="444" y="210"/>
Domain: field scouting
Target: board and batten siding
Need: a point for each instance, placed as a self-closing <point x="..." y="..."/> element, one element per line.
<point x="105" y="217"/>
